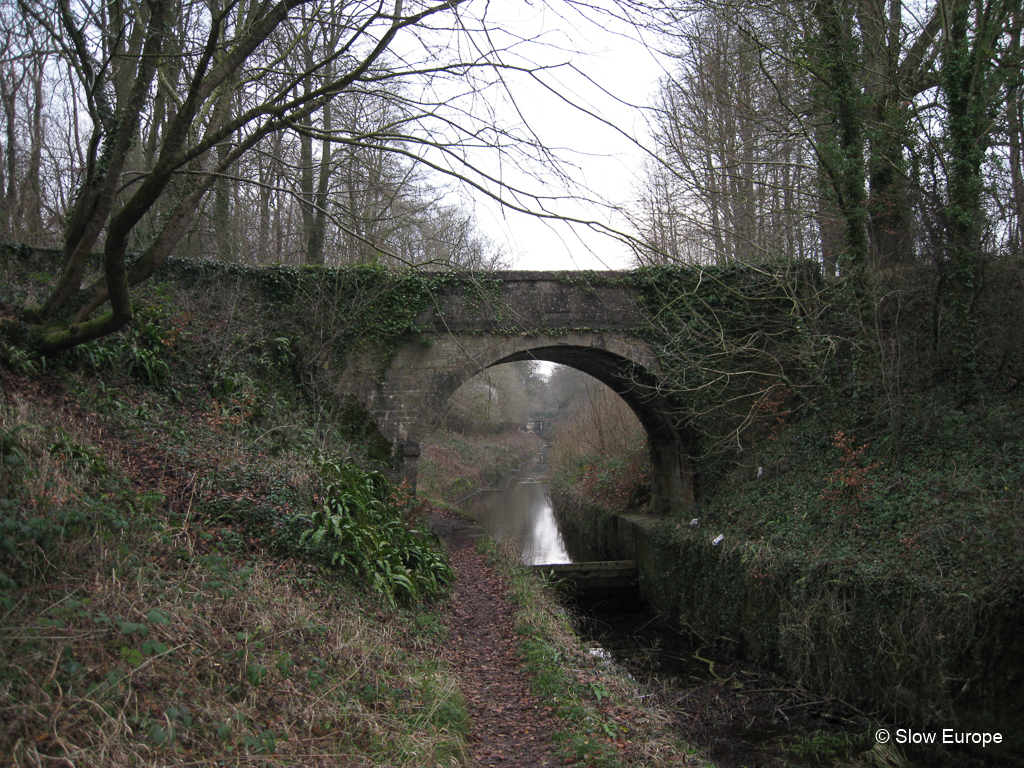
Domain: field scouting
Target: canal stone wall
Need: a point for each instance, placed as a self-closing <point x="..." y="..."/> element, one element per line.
<point x="912" y="659"/>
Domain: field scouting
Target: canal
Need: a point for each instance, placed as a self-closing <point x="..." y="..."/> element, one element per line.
<point x="740" y="715"/>
<point x="520" y="512"/>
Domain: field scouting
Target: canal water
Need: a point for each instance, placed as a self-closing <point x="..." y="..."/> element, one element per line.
<point x="520" y="511"/>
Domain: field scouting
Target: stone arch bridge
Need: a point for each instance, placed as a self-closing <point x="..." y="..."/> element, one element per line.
<point x="562" y="317"/>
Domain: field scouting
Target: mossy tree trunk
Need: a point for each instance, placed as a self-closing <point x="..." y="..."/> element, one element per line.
<point x="835" y="56"/>
<point x="970" y="81"/>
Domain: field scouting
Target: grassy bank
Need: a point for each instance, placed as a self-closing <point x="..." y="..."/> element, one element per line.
<point x="199" y="563"/>
<point x="143" y="622"/>
<point x="893" y="581"/>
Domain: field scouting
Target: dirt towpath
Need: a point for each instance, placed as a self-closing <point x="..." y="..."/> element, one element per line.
<point x="509" y="727"/>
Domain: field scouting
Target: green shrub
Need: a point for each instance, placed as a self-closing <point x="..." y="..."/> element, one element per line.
<point x="360" y="526"/>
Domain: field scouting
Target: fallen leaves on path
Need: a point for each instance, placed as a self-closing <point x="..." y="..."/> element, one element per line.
<point x="508" y="726"/>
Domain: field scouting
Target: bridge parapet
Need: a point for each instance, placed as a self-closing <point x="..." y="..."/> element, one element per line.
<point x="536" y="301"/>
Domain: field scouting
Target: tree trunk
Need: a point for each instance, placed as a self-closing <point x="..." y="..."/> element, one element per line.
<point x="965" y="151"/>
<point x="32" y="198"/>
<point x="842" y="151"/>
<point x="9" y="179"/>
<point x="315" y="242"/>
<point x="223" y="192"/>
<point x="1015" y="130"/>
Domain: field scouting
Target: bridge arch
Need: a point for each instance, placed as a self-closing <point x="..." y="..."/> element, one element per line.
<point x="593" y="322"/>
<point x="426" y="371"/>
<point x="672" y="481"/>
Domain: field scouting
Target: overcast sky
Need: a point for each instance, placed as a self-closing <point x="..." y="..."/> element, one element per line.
<point x="615" y="74"/>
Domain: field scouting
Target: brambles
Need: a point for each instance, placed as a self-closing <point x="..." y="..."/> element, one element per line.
<point x="849" y="484"/>
<point x="53" y="488"/>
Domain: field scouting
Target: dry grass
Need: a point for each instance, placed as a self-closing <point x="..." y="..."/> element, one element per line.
<point x="62" y="464"/>
<point x="150" y="667"/>
<point x="127" y="638"/>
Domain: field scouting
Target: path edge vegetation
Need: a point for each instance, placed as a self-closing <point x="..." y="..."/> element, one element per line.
<point x="603" y="722"/>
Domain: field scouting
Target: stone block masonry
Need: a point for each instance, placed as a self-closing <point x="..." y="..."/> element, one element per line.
<point x="589" y="321"/>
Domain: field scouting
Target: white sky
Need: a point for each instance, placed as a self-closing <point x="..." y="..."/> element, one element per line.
<point x="623" y="73"/>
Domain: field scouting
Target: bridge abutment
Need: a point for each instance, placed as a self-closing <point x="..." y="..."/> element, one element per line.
<point x="672" y="486"/>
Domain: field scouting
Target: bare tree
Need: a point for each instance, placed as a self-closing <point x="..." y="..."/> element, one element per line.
<point x="495" y="399"/>
<point x="24" y="93"/>
<point x="179" y="93"/>
<point x="734" y="178"/>
<point x="595" y="425"/>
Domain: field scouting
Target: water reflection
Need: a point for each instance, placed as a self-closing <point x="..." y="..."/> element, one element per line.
<point x="520" y="511"/>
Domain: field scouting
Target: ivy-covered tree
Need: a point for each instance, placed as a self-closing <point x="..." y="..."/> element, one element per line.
<point x="910" y="119"/>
